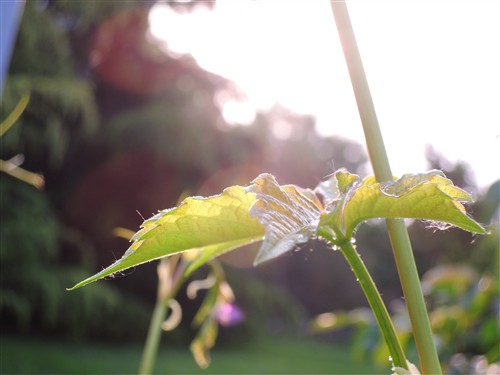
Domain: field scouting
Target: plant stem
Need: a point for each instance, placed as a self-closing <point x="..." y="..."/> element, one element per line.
<point x="374" y="299"/>
<point x="153" y="339"/>
<point x="168" y="285"/>
<point x="398" y="234"/>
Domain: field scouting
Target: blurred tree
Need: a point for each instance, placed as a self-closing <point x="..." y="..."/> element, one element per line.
<point x="62" y="109"/>
<point x="32" y="281"/>
<point x="110" y="144"/>
<point x="61" y="104"/>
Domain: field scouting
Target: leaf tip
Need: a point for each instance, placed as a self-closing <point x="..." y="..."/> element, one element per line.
<point x="81" y="284"/>
<point x="74" y="287"/>
<point x="259" y="259"/>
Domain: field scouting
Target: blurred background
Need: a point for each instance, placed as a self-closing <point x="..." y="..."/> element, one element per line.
<point x="120" y="122"/>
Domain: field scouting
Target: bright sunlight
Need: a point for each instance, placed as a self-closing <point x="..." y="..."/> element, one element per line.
<point x="432" y="69"/>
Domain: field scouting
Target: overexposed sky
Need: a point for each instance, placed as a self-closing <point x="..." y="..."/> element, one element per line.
<point x="432" y="66"/>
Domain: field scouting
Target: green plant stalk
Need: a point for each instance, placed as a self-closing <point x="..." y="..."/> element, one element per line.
<point x="403" y="254"/>
<point x="150" y="350"/>
<point x="374" y="299"/>
<point x="153" y="339"/>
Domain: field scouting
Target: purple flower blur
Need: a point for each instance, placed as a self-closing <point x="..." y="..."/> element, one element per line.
<point x="228" y="315"/>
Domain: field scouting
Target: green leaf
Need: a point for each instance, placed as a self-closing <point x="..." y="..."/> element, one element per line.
<point x="426" y="196"/>
<point x="289" y="213"/>
<point x="216" y="224"/>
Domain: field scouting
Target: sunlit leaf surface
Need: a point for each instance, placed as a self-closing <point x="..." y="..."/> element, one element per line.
<point x="426" y="196"/>
<point x="217" y="224"/>
<point x="289" y="213"/>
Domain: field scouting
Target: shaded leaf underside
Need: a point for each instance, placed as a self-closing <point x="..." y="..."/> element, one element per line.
<point x="289" y="213"/>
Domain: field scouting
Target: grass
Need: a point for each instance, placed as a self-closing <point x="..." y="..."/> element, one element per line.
<point x="273" y="356"/>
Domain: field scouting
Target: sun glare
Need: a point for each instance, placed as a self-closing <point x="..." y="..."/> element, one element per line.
<point x="432" y="69"/>
<point x="288" y="57"/>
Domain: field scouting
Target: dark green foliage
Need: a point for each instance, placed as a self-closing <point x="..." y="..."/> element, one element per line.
<point x="32" y="283"/>
<point x="29" y="230"/>
<point x="28" y="243"/>
<point x="42" y="46"/>
<point x="59" y="110"/>
<point x="62" y="106"/>
<point x="62" y="109"/>
<point x="77" y="15"/>
<point x="101" y="313"/>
